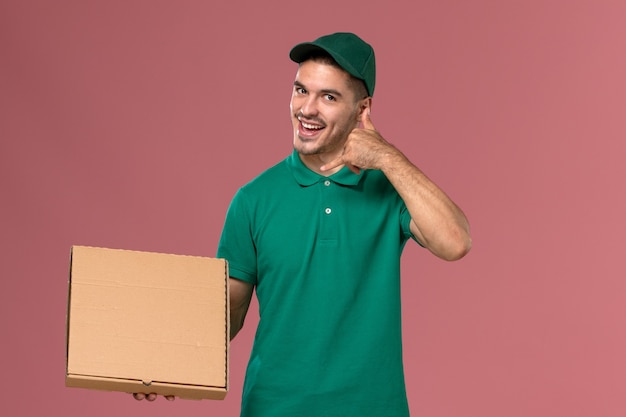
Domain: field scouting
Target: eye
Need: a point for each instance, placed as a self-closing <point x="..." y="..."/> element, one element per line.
<point x="300" y="90"/>
<point x="330" y="97"/>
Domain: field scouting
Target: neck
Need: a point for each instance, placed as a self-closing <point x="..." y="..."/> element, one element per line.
<point x="316" y="161"/>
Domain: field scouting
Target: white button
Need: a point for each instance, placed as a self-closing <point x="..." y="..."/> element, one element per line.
<point x="328" y="210"/>
<point x="327" y="183"/>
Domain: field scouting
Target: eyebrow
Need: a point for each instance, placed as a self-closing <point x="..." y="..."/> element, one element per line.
<point x="324" y="91"/>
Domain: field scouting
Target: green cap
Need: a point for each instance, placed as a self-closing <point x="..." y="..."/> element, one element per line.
<point x="351" y="53"/>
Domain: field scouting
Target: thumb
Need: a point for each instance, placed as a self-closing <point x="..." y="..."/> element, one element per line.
<point x="366" y="120"/>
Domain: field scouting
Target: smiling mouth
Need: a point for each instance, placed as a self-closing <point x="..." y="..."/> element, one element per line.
<point x="309" y="128"/>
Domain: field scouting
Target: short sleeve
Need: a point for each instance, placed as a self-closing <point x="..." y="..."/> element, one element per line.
<point x="237" y="243"/>
<point x="405" y="224"/>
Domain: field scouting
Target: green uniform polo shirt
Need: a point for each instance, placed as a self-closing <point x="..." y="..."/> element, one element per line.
<point x="324" y="254"/>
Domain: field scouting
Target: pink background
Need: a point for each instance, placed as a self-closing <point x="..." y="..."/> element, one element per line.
<point x="131" y="124"/>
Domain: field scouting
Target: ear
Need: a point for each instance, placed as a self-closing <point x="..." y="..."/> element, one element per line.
<point x="364" y="105"/>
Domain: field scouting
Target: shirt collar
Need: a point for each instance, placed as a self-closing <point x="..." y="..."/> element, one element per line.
<point x="305" y="177"/>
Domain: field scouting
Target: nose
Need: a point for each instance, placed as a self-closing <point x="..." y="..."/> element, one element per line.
<point x="308" y="107"/>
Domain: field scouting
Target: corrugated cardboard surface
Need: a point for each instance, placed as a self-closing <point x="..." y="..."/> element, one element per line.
<point x="148" y="322"/>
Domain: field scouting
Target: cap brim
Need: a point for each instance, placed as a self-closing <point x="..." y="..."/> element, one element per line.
<point x="302" y="51"/>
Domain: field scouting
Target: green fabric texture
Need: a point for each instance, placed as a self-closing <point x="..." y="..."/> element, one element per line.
<point x="324" y="254"/>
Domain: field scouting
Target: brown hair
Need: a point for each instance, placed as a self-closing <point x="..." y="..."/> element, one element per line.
<point x="357" y="85"/>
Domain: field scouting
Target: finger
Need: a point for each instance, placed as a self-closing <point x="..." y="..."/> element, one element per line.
<point x="332" y="164"/>
<point x="366" y="119"/>
<point x="151" y="397"/>
<point x="354" y="168"/>
<point x="139" y="396"/>
<point x="170" y="397"/>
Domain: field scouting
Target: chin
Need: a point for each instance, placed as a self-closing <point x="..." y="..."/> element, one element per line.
<point x="304" y="146"/>
<point x="305" y="150"/>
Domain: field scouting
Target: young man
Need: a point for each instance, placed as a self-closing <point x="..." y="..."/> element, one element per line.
<point x="319" y="236"/>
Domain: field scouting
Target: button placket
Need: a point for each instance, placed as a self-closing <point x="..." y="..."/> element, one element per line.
<point x="328" y="229"/>
<point x="327" y="210"/>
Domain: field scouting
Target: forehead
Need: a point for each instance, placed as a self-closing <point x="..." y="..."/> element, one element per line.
<point x="319" y="76"/>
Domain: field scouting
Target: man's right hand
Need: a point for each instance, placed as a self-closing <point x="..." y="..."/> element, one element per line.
<point x="151" y="396"/>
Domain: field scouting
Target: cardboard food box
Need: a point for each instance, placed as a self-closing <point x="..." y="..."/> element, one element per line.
<point x="148" y="322"/>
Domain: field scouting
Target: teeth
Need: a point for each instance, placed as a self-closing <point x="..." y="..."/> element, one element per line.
<point x="311" y="127"/>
